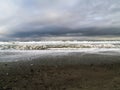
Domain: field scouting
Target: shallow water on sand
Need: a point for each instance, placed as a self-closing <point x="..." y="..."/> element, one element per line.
<point x="17" y="55"/>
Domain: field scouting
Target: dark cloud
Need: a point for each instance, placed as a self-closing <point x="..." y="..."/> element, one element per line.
<point x="61" y="31"/>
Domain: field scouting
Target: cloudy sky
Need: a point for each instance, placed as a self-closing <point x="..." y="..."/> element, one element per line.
<point x="59" y="19"/>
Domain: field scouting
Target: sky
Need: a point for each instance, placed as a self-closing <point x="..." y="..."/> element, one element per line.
<point x="59" y="19"/>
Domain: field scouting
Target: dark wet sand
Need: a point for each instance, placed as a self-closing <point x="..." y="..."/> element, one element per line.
<point x="47" y="74"/>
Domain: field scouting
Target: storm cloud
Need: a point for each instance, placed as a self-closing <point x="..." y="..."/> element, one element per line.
<point x="59" y="31"/>
<point x="50" y="18"/>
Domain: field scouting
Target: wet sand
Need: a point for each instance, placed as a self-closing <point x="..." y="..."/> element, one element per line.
<point x="72" y="72"/>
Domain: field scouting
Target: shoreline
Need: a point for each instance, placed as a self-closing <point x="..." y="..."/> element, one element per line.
<point x="28" y="55"/>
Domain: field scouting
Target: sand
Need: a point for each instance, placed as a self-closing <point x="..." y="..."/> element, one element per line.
<point x="72" y="72"/>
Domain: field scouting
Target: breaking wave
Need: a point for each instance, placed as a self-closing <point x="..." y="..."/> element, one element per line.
<point x="46" y="45"/>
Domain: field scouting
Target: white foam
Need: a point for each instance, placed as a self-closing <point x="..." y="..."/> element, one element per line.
<point x="16" y="51"/>
<point x="57" y="44"/>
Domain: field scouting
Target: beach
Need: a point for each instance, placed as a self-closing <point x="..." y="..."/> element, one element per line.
<point x="66" y="71"/>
